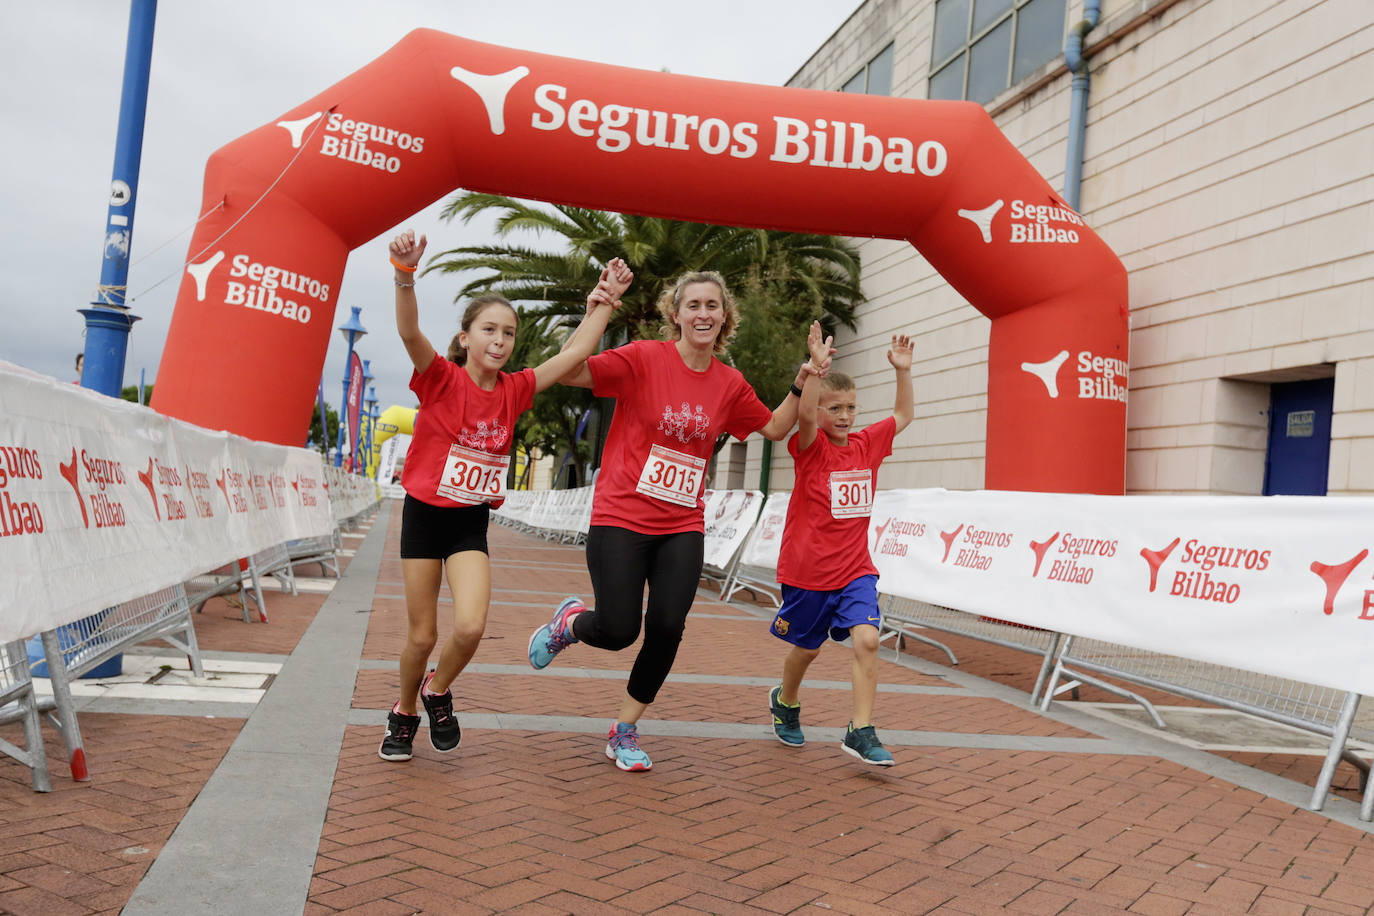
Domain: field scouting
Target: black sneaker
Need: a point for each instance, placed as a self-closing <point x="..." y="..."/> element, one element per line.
<point x="400" y="735"/>
<point x="444" y="733"/>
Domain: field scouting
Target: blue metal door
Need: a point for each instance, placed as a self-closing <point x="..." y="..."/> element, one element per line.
<point x="1299" y="438"/>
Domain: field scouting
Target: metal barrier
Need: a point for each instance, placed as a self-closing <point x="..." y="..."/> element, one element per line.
<point x="245" y="577"/>
<point x="18" y="701"/>
<point x="904" y="617"/>
<point x="323" y="550"/>
<point x="760" y="581"/>
<point x="75" y="648"/>
<point x="1319" y="710"/>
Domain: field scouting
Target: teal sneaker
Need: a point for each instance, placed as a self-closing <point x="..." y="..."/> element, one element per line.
<point x="622" y="746"/>
<point x="786" y="719"/>
<point x="556" y="635"/>
<point x="863" y="743"/>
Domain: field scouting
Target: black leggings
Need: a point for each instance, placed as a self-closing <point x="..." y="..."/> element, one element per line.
<point x="621" y="562"/>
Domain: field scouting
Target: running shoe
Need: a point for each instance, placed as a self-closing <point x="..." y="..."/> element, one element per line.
<point x="863" y="743"/>
<point x="400" y="735"/>
<point x="622" y="746"/>
<point x="786" y="719"/>
<point x="444" y="733"/>
<point x="556" y="635"/>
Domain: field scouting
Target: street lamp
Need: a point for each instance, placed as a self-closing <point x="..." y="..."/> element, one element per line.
<point x="351" y="330"/>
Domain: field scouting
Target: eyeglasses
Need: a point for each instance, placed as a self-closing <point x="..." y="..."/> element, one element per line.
<point x="836" y="409"/>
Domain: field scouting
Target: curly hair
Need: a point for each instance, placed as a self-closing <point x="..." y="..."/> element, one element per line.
<point x="457" y="353"/>
<point x="670" y="301"/>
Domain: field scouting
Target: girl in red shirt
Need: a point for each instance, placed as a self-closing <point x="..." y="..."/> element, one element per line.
<point x="673" y="398"/>
<point x="455" y="471"/>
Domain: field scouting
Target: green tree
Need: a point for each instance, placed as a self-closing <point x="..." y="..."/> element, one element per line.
<point x="322" y="443"/>
<point x="130" y="393"/>
<point x="782" y="280"/>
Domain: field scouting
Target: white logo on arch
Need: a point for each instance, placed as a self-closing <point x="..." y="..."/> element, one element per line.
<point x="201" y="273"/>
<point x="983" y="219"/>
<point x="297" y="128"/>
<point x="492" y="89"/>
<point x="1048" y="371"/>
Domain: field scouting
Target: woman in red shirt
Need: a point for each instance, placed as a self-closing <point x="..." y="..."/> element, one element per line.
<point x="673" y="398"/>
<point x="455" y="471"/>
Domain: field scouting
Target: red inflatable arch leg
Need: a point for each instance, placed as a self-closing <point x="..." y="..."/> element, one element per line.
<point x="255" y="310"/>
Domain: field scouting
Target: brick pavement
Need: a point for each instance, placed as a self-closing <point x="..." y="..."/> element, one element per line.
<point x="983" y="813"/>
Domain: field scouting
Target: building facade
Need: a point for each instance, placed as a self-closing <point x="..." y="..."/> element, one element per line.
<point x="1228" y="161"/>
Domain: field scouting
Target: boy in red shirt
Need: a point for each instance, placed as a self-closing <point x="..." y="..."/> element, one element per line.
<point x="829" y="582"/>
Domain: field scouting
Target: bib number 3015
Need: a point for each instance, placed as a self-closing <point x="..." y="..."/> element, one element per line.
<point x="851" y="494"/>
<point x="673" y="477"/>
<point x="471" y="477"/>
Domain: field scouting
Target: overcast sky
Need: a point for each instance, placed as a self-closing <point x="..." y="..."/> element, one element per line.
<point x="221" y="69"/>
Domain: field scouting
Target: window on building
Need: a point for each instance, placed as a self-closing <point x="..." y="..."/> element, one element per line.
<point x="982" y="47"/>
<point x="876" y="76"/>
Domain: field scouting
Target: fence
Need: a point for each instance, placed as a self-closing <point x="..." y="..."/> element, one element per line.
<point x="18" y="701"/>
<point x="323" y="550"/>
<point x="73" y="649"/>
<point x="1320" y="710"/>
<point x="245" y="577"/>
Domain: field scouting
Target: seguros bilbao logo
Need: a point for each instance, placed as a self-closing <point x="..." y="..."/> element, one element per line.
<point x="615" y="127"/>
<point x="1099" y="378"/>
<point x="267" y="288"/>
<point x="1051" y="223"/>
<point x="18" y="515"/>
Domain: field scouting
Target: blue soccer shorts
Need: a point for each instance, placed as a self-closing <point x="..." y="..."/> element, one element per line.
<point x="807" y="617"/>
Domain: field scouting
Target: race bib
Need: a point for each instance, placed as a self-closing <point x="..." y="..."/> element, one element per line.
<point x="851" y="494"/>
<point x="672" y="476"/>
<point x="472" y="477"/>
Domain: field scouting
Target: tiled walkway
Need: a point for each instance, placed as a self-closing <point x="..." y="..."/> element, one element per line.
<point x="991" y="808"/>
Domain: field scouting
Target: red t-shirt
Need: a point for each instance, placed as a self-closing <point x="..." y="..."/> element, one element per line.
<point x="666" y="421"/>
<point x="825" y="538"/>
<point x="455" y="412"/>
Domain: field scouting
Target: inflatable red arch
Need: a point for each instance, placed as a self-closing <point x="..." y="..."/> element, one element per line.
<point x="255" y="310"/>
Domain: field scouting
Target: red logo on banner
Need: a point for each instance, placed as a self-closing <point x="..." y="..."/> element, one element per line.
<point x="227" y="482"/>
<point x="199" y="485"/>
<point x="1156" y="558"/>
<point x="19" y="516"/>
<point x="1334" y="577"/>
<point x="146" y="478"/>
<point x="1039" y="548"/>
<point x="948" y="537"/>
<point x="69" y="474"/>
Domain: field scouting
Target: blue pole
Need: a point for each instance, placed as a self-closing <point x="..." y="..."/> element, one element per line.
<point x="352" y="330"/>
<point x="142" y="375"/>
<point x="1078" y="100"/>
<point x="108" y="322"/>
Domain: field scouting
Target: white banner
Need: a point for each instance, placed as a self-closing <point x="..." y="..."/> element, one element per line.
<point x="1276" y="585"/>
<point x="102" y="501"/>
<point x="766" y="539"/>
<point x="730" y="516"/>
<point x="391" y="451"/>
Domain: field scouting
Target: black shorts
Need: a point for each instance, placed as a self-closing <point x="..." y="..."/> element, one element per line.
<point x="438" y="532"/>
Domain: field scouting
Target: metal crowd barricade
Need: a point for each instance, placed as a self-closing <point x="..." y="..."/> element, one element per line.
<point x="323" y="550"/>
<point x="18" y="702"/>
<point x="245" y="577"/>
<point x="904" y="618"/>
<point x="75" y="648"/>
<point x="1320" y="710"/>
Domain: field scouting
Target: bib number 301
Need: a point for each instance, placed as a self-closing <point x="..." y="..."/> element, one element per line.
<point x="851" y="494"/>
<point x="471" y="477"/>
<point x="673" y="477"/>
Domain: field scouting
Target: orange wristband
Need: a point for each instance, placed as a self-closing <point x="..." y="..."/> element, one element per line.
<point x="399" y="266"/>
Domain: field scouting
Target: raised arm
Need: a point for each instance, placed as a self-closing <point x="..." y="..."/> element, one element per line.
<point x="569" y="366"/>
<point x="904" y="406"/>
<point x="405" y="257"/>
<point x="785" y="414"/>
<point x="811" y="392"/>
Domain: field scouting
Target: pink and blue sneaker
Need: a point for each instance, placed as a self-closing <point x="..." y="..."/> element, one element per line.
<point x="556" y="635"/>
<point x="622" y="746"/>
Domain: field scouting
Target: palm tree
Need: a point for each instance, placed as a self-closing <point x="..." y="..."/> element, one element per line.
<point x="782" y="280"/>
<point x="820" y="272"/>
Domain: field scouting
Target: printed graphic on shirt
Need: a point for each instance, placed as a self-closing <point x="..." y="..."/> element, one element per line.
<point x="685" y="424"/>
<point x="489" y="437"/>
